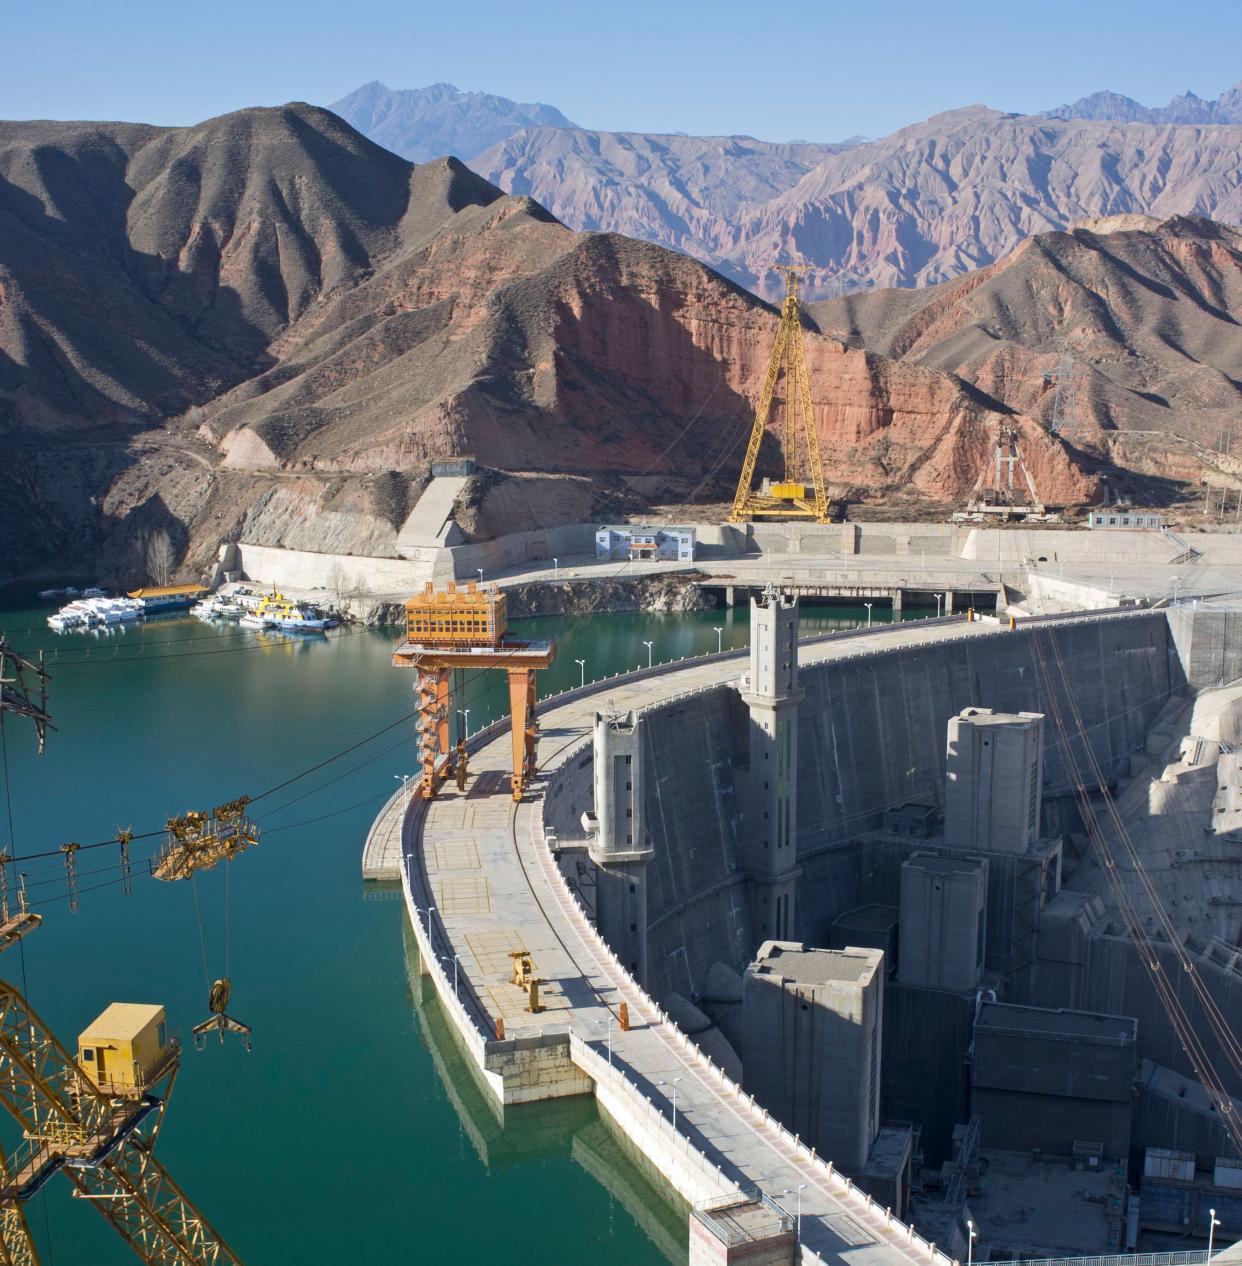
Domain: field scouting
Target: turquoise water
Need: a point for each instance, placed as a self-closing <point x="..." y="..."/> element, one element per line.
<point x="353" y="1133"/>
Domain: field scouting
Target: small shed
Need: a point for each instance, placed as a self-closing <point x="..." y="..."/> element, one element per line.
<point x="124" y="1046"/>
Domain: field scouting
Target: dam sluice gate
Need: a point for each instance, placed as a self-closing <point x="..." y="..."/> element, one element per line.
<point x="751" y="850"/>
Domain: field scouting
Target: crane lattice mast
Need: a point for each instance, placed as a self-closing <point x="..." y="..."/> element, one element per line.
<point x="791" y="498"/>
<point x="993" y="492"/>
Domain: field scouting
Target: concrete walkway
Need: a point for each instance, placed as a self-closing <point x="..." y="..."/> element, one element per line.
<point x="495" y="887"/>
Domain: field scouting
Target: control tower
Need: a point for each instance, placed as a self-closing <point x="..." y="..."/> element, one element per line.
<point x="770" y="803"/>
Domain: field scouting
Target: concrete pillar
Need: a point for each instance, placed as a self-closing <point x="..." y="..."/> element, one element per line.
<point x="897" y="601"/>
<point x="728" y="595"/>
<point x="770" y="800"/>
<point x="619" y="844"/>
<point x="948" y="602"/>
<point x="994" y="773"/>
<point x="851" y="535"/>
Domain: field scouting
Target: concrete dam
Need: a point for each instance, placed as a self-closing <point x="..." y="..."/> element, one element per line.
<point x="833" y="913"/>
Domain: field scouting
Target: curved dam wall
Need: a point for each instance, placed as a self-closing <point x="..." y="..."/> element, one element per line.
<point x="871" y="736"/>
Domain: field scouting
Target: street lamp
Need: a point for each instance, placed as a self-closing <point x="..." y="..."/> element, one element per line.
<point x="456" y="961"/>
<point x="938" y="597"/>
<point x="970" y="1243"/>
<point x="465" y="714"/>
<point x="404" y="780"/>
<point x="581" y="670"/>
<point x="673" y="1083"/>
<point x="868" y="606"/>
<point x="648" y="645"/>
<point x="480" y="571"/>
<point x="796" y="1191"/>
<point x="1213" y="1223"/>
<point x="719" y="639"/>
<point x="556" y="569"/>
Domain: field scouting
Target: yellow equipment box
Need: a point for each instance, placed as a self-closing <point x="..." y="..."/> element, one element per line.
<point x="124" y="1046"/>
<point x="789" y="492"/>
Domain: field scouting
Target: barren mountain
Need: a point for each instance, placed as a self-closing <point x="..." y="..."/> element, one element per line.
<point x="1139" y="318"/>
<point x="1188" y="108"/>
<point x="267" y="325"/>
<point x="440" y="120"/>
<point x="685" y="192"/>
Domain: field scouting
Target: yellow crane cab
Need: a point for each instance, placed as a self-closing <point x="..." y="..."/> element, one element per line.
<point x="126" y="1048"/>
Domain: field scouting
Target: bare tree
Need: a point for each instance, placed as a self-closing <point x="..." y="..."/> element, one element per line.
<point x="337" y="582"/>
<point x="161" y="559"/>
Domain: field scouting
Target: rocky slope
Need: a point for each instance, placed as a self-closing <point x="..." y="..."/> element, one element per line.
<point x="440" y="121"/>
<point x="268" y="324"/>
<point x="1139" y="317"/>
<point x="927" y="203"/>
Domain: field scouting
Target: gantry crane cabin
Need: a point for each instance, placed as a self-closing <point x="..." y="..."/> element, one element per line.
<point x="468" y="628"/>
<point x="801" y="493"/>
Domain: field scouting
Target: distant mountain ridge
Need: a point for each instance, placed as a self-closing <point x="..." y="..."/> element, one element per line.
<point x="1186" y="109"/>
<point x="440" y="120"/>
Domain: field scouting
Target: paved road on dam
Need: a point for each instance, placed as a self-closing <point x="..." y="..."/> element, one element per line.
<point x="495" y="887"/>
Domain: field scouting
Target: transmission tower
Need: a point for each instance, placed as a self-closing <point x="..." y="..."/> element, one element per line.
<point x="1067" y="376"/>
<point x="791" y="498"/>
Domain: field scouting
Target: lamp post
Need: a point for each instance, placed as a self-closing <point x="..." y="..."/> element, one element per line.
<point x="609" y="1022"/>
<point x="581" y="670"/>
<point x="719" y="639"/>
<point x="480" y="571"/>
<point x="648" y="645"/>
<point x="938" y="597"/>
<point x="404" y="780"/>
<point x="673" y="1084"/>
<point x="427" y="912"/>
<point x="556" y="569"/>
<point x="456" y="962"/>
<point x="797" y="1193"/>
<point x="1213" y="1223"/>
<point x="868" y="606"/>
<point x="464" y="713"/>
<point x="970" y="1242"/>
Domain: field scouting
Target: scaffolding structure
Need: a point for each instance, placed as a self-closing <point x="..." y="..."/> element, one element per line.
<point x="995" y="493"/>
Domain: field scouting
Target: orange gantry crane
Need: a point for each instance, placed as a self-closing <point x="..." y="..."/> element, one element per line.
<point x="468" y="628"/>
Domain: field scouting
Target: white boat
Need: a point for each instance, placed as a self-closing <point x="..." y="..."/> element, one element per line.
<point x="300" y="619"/>
<point x="217" y="608"/>
<point x="51" y="593"/>
<point x="256" y="620"/>
<point x="63" y="621"/>
<point x="93" y="592"/>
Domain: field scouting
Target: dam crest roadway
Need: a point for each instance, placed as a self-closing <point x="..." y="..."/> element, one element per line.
<point x="480" y="880"/>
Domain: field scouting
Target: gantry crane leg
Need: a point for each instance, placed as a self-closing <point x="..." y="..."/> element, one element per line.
<point x="525" y="727"/>
<point x="433" y="725"/>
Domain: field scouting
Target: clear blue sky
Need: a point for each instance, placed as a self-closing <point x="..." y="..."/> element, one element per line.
<point x="820" y="70"/>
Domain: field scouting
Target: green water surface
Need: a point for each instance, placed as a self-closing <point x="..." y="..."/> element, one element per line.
<point x="354" y="1132"/>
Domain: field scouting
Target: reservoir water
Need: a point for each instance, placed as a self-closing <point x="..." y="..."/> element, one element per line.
<point x="353" y="1133"/>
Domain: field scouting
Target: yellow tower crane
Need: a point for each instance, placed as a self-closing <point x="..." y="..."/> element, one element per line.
<point x="791" y="498"/>
<point x="94" y="1118"/>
